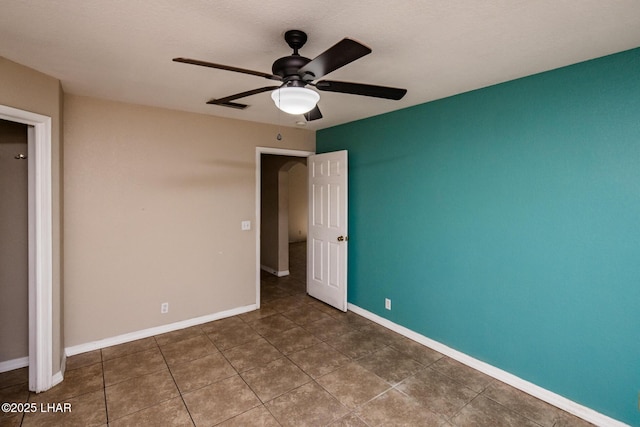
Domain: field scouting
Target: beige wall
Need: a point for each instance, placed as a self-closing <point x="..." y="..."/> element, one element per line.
<point x="14" y="243"/>
<point x="270" y="166"/>
<point x="298" y="203"/>
<point x="153" y="204"/>
<point x="30" y="90"/>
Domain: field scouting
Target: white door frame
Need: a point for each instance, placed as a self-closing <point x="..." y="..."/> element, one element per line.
<point x="259" y="152"/>
<point x="40" y="246"/>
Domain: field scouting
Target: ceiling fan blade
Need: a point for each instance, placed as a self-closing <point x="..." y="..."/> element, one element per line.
<point x="339" y="55"/>
<point x="225" y="102"/>
<point x="361" y="89"/>
<point x="314" y="114"/>
<point x="235" y="105"/>
<point x="227" y="68"/>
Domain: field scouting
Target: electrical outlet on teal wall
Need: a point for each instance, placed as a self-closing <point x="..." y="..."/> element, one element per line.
<point x="503" y="223"/>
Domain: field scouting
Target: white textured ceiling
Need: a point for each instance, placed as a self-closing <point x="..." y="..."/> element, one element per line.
<point x="122" y="49"/>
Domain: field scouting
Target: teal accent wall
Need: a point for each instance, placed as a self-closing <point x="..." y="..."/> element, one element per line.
<point x="505" y="223"/>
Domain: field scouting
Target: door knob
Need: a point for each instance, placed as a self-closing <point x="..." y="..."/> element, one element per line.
<point x="342" y="238"/>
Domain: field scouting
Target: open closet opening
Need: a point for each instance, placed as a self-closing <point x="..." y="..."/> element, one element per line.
<point x="14" y="250"/>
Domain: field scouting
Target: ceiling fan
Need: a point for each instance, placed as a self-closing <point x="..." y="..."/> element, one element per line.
<point x="296" y="72"/>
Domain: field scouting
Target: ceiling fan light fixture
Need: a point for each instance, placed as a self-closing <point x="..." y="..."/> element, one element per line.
<point x="295" y="100"/>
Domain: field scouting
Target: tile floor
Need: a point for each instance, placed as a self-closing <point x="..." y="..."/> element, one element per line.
<point x="294" y="362"/>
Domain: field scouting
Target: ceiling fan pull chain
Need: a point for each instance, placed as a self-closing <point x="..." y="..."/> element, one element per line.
<point x="279" y="136"/>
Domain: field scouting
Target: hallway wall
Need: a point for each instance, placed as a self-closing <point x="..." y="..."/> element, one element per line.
<point x="298" y="203"/>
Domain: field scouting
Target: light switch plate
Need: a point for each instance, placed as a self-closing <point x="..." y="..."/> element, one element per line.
<point x="246" y="225"/>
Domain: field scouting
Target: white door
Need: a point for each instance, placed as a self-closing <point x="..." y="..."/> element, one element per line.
<point x="327" y="233"/>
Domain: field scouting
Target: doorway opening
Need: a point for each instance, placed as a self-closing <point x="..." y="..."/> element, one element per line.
<point x="281" y="215"/>
<point x="14" y="250"/>
<point x="40" y="243"/>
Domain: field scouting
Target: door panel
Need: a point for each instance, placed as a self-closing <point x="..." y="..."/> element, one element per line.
<point x="317" y="260"/>
<point x="327" y="242"/>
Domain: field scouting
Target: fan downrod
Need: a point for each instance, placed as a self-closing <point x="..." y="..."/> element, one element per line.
<point x="287" y="67"/>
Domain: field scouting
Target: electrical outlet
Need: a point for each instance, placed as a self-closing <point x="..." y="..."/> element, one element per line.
<point x="245" y="225"/>
<point x="164" y="308"/>
<point x="387" y="303"/>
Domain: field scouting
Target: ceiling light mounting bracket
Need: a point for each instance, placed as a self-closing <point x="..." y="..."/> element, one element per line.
<point x="295" y="39"/>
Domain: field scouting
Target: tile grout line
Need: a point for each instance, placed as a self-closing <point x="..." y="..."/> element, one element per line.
<point x="508" y="408"/>
<point x="241" y="377"/>
<point x="446" y="418"/>
<point x="263" y="404"/>
<point x="175" y="383"/>
<point x="142" y="375"/>
<point x="459" y="411"/>
<point x="284" y="356"/>
<point x="104" y="387"/>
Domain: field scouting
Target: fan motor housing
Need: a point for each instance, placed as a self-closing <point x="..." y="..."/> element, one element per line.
<point x="288" y="66"/>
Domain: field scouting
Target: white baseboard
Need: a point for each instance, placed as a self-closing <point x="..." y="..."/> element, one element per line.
<point x="10" y="365"/>
<point x="145" y="333"/>
<point x="278" y="273"/>
<point x="545" y="395"/>
<point x="56" y="379"/>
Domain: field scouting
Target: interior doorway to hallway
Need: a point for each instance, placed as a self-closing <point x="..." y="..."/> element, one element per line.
<point x="281" y="218"/>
